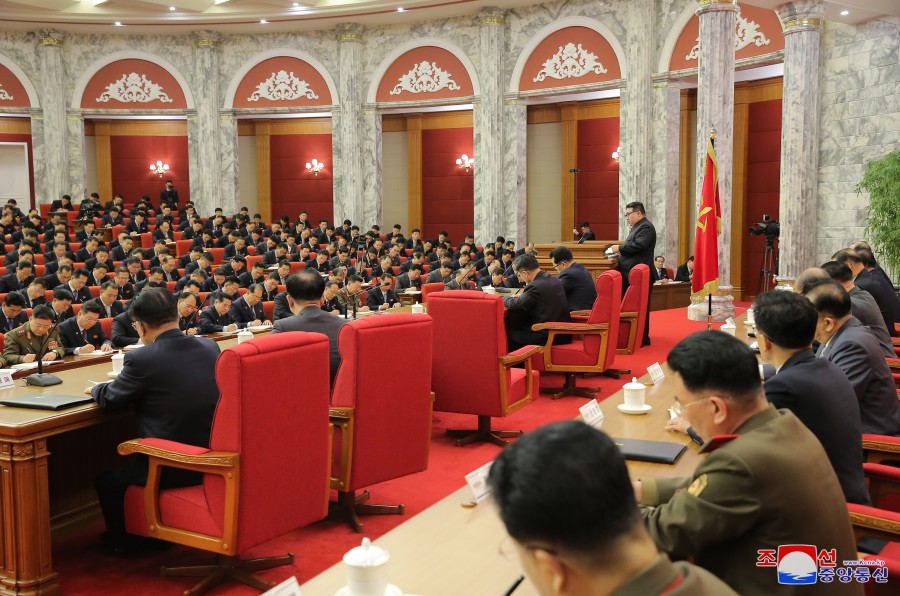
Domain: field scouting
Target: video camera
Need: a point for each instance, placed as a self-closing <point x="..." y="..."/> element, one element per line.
<point x="768" y="227"/>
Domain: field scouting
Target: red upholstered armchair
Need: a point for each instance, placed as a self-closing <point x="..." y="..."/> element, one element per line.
<point x="472" y="372"/>
<point x="266" y="469"/>
<point x="591" y="350"/>
<point x="431" y="289"/>
<point x="381" y="418"/>
<point x="633" y="316"/>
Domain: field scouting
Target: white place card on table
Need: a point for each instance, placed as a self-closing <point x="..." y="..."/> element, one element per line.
<point x="656" y="373"/>
<point x="289" y="587"/>
<point x="6" y="378"/>
<point x="592" y="414"/>
<point x="477" y="481"/>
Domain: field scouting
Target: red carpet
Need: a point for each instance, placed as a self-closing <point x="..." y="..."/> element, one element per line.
<point x="85" y="568"/>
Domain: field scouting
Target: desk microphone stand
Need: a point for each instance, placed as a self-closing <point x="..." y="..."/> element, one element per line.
<point x="40" y="378"/>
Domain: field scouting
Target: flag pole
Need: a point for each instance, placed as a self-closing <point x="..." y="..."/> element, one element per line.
<point x="712" y="140"/>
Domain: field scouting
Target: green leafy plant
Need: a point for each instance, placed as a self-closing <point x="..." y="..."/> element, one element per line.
<point x="882" y="181"/>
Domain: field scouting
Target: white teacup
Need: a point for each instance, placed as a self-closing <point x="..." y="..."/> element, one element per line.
<point x="118" y="362"/>
<point x="750" y="319"/>
<point x="367" y="569"/>
<point x="635" y="394"/>
<point x="243" y="336"/>
<point x="418" y="309"/>
<point x="726" y="328"/>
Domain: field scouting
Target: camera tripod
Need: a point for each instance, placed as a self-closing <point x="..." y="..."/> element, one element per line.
<point x="769" y="266"/>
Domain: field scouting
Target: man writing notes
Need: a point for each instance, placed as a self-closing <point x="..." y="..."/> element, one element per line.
<point x="171" y="385"/>
<point x="542" y="301"/>
<point x="637" y="250"/>
<point x="563" y="494"/>
<point x="766" y="481"/>
<point x="578" y="282"/>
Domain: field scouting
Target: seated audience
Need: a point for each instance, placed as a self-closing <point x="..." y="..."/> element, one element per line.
<point x="685" y="272"/>
<point x="123" y="331"/>
<point x="867" y="281"/>
<point x="542" y="301"/>
<point x="215" y="318"/>
<point x="108" y="301"/>
<point x="581" y="291"/>
<point x="25" y="341"/>
<point x="13" y="312"/>
<point x="862" y="305"/>
<point x="81" y="334"/>
<point x="247" y="310"/>
<point x="382" y="297"/>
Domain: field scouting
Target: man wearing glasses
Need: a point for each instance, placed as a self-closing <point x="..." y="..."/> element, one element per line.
<point x="24" y="342"/>
<point x="637" y="249"/>
<point x="382" y="297"/>
<point x="766" y="481"/>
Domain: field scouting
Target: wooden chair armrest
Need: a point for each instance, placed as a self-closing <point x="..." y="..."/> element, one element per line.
<point x="896" y="341"/>
<point x="881" y="443"/>
<point x="208" y="461"/>
<point x="893" y="364"/>
<point x="572" y="328"/>
<point x="338" y="413"/>
<point x="869" y="522"/>
<point x="628" y="314"/>
<point x="580" y="313"/>
<point x="520" y="355"/>
<point x="343" y="418"/>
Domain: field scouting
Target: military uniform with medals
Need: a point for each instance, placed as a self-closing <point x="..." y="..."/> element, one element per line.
<point x="21" y="341"/>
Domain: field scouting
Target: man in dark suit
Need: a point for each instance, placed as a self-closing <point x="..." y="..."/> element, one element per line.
<point x="865" y="280"/>
<point x="256" y="275"/>
<point x="108" y="300"/>
<point x="685" y="271"/>
<point x="281" y="308"/>
<point x="13" y="312"/>
<point x="411" y="280"/>
<point x="19" y="279"/>
<point x="34" y="294"/>
<point x="87" y="250"/>
<point x="637" y="249"/>
<point x="137" y="225"/>
<point x="270" y="287"/>
<point x="247" y="310"/>
<point x="542" y="301"/>
<point x="581" y="291"/>
<point x="101" y="255"/>
<point x="171" y="386"/>
<point x="78" y="286"/>
<point x="853" y="348"/>
<point x="382" y="297"/>
<point x="169" y="196"/>
<point x="659" y="266"/>
<point x="81" y="334"/>
<point x="123" y="283"/>
<point x="113" y="217"/>
<point x="814" y="389"/>
<point x="122" y="252"/>
<point x="305" y="291"/>
<point x="123" y="331"/>
<point x="586" y="233"/>
<point x="215" y="318"/>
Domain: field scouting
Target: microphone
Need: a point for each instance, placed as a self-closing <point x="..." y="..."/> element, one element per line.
<point x="42" y="379"/>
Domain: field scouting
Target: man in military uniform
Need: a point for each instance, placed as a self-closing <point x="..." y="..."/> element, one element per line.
<point x="22" y="343"/>
<point x="766" y="482"/>
<point x="564" y="496"/>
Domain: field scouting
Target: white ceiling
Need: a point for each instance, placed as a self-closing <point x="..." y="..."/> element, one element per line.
<point x="244" y="16"/>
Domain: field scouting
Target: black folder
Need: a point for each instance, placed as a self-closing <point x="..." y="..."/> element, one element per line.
<point x="47" y="401"/>
<point x="658" y="452"/>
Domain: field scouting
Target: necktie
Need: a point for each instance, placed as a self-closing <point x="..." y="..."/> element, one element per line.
<point x="84" y="335"/>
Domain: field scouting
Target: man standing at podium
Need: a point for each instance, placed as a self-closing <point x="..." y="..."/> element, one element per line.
<point x="636" y="250"/>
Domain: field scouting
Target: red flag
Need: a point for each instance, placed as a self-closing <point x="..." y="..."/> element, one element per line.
<point x="709" y="220"/>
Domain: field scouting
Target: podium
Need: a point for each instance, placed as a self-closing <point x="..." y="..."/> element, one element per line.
<point x="591" y="254"/>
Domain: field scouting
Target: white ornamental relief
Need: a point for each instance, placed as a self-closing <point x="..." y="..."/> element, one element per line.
<point x="425" y="77"/>
<point x="746" y="33"/>
<point x="4" y="95"/>
<point x="134" y="88"/>
<point x="282" y="86"/>
<point x="570" y="62"/>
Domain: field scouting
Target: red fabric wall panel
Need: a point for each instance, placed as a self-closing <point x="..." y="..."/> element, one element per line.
<point x="11" y="138"/>
<point x="293" y="188"/>
<point x="762" y="189"/>
<point x="598" y="182"/>
<point x="448" y="192"/>
<point x="130" y="163"/>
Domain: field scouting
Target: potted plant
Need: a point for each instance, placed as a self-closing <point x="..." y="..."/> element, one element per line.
<point x="882" y="181"/>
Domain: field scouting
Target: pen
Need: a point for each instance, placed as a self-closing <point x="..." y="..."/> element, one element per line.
<point x="514" y="585"/>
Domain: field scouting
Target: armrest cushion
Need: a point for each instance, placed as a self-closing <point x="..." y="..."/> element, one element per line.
<point x="520" y="355"/>
<point x="891" y="519"/>
<point x="882" y="472"/>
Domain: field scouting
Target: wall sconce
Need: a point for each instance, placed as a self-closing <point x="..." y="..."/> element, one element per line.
<point x="314" y="166"/>
<point x="159" y="168"/>
<point x="464" y="161"/>
<point x="615" y="154"/>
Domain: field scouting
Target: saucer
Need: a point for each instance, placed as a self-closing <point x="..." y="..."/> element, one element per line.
<point x="643" y="410"/>
<point x="112" y="374"/>
<point x="391" y="590"/>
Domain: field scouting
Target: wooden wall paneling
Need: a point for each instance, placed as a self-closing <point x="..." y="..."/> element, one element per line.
<point x="685" y="150"/>
<point x="263" y="169"/>
<point x="147" y="128"/>
<point x="104" y="159"/>
<point x="414" y="169"/>
<point x="569" y="140"/>
<point x="439" y="120"/>
<point x="393" y="123"/>
<point x="15" y="126"/>
<point x="246" y="128"/>
<point x="738" y="195"/>
<point x="300" y="126"/>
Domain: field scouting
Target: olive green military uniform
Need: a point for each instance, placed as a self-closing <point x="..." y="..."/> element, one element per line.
<point x="346" y="300"/>
<point x="22" y="341"/>
<point x="770" y="484"/>
<point x="662" y="576"/>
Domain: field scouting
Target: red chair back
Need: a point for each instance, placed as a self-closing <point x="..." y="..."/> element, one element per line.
<point x="634" y="300"/>
<point x="669" y="271"/>
<point x="183" y="247"/>
<point x="269" y="309"/>
<point x="392" y="427"/>
<point x="470" y="334"/>
<point x="431" y="289"/>
<point x="147" y="239"/>
<point x="94" y="290"/>
<point x="606" y="310"/>
<point x="218" y="255"/>
<point x="262" y="423"/>
<point x="170" y="285"/>
<point x="106" y="325"/>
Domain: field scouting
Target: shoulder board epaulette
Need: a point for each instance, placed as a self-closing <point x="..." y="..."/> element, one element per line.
<point x="716" y="442"/>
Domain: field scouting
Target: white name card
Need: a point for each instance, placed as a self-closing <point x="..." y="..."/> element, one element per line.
<point x="592" y="414"/>
<point x="289" y="587"/>
<point x="477" y="481"/>
<point x="730" y="320"/>
<point x="6" y="378"/>
<point x="656" y="373"/>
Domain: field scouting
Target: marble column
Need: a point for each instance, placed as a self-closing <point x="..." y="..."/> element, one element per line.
<point x="347" y="140"/>
<point x="52" y="165"/>
<point x="715" y="109"/>
<point x="229" y="171"/>
<point x="76" y="174"/>
<point x="515" y="170"/>
<point x="491" y="219"/>
<point x="203" y="127"/>
<point x="371" y="167"/>
<point x="802" y="22"/>
<point x="666" y="123"/>
<point x="636" y="105"/>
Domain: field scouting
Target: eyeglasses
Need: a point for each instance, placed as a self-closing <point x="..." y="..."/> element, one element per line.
<point x="678" y="408"/>
<point x="627" y="213"/>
